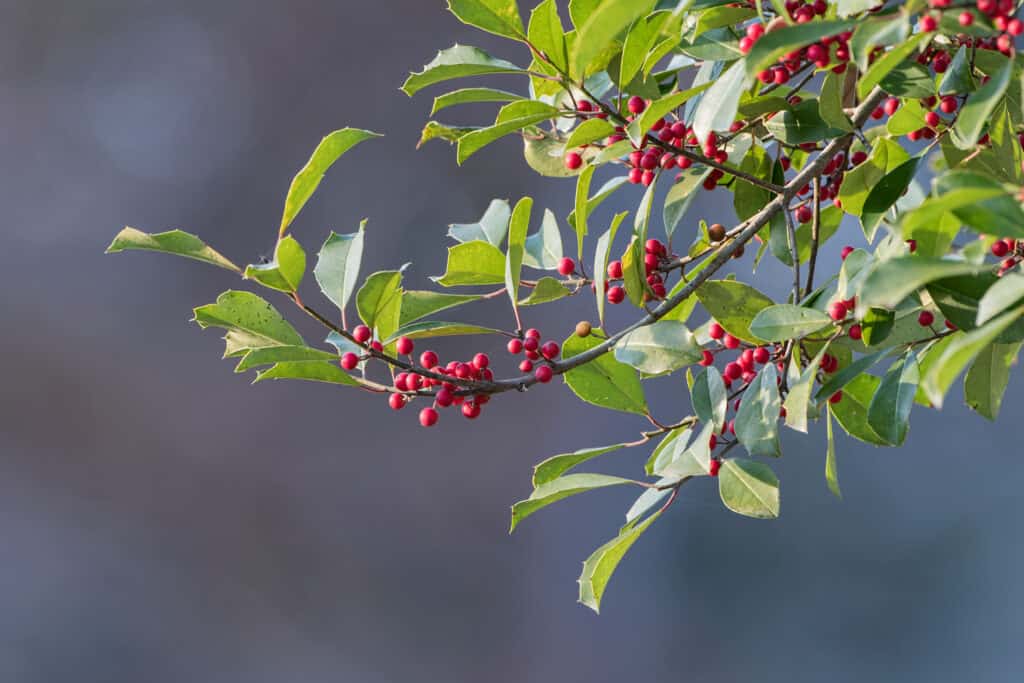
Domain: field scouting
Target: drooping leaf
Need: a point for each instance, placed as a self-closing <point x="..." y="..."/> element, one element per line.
<point x="782" y="322"/>
<point x="605" y="382"/>
<point x="749" y="488"/>
<point x="473" y="263"/>
<point x="557" y="489"/>
<point x="689" y="459"/>
<point x="798" y="400"/>
<point x="734" y="305"/>
<point x="557" y="465"/>
<point x="285" y="272"/>
<point x="270" y="355"/>
<point x="987" y="378"/>
<point x="513" y="117"/>
<point x="250" y="321"/>
<point x="456" y="62"/>
<point x="171" y="242"/>
<point x="604" y="244"/>
<point x="543" y="249"/>
<point x="709" y="397"/>
<point x="889" y="411"/>
<point x="831" y="469"/>
<point x="308" y="179"/>
<point x="852" y="411"/>
<point x="337" y="265"/>
<point x="491" y="228"/>
<point x="379" y="301"/>
<point x="582" y="210"/>
<point x="830" y="102"/>
<point x="312" y="371"/>
<point x="757" y="421"/>
<point x="517" y="227"/>
<point x="634" y="272"/>
<point x="664" y="346"/>
<point x="599" y="567"/>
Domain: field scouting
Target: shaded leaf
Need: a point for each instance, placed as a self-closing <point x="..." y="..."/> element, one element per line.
<point x="599" y="567"/>
<point x="473" y="263"/>
<point x="757" y="420"/>
<point x="337" y="265"/>
<point x="605" y="382"/>
<point x="557" y="489"/>
<point x="749" y="488"/>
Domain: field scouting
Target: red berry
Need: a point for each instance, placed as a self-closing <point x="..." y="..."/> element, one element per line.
<point x="858" y="157"/>
<point x="836" y="397"/>
<point x="1000" y="248"/>
<point x="1015" y="27"/>
<point x="912" y="245"/>
<point x="966" y="18"/>
<point x="716" y="465"/>
<point x="948" y="104"/>
<point x="616" y="295"/>
<point x="928" y="23"/>
<point x="615" y="270"/>
<point x="891" y="105"/>
<point x="926" y="318"/>
<point x="401" y="380"/>
<point x="396" y="401"/>
<point x="531" y="344"/>
<point x="636" y="104"/>
<point x="707" y="358"/>
<point x="349" y="360"/>
<point x="471" y="409"/>
<point x="584" y="105"/>
<point x="654" y="247"/>
<point x="515" y="346"/>
<point x="533" y="332"/>
<point x="362" y="334"/>
<point x="376" y="345"/>
<point x="526" y="366"/>
<point x="761" y="355"/>
<point x="646" y="178"/>
<point x="932" y="119"/>
<point x="428" y="359"/>
<point x="837" y="311"/>
<point x="716" y="331"/>
<point x="404" y="346"/>
<point x="463" y="371"/>
<point x="804" y="214"/>
<point x="549" y="350"/>
<point x="855" y="332"/>
<point x="846" y="252"/>
<point x="428" y="417"/>
<point x="443" y="398"/>
<point x="731" y="342"/>
<point x="636" y="175"/>
<point x="544" y="374"/>
<point x="733" y="370"/>
<point x="755" y="31"/>
<point x="481" y="361"/>
<point x="573" y="161"/>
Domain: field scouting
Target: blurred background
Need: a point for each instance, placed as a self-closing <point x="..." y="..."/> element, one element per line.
<point x="163" y="521"/>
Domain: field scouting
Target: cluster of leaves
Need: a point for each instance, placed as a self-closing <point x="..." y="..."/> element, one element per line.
<point x="807" y="114"/>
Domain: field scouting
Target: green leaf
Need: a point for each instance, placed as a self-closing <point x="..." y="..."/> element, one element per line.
<point x="546" y="290"/>
<point x="603" y="193"/>
<point x="604" y="382"/>
<point x="846" y="8"/>
<point x="940" y="374"/>
<point x="434" y="130"/>
<point x="639" y="42"/>
<point x="748" y="199"/>
<point x="858" y="183"/>
<point x="908" y="79"/>
<point x="308" y="179"/>
<point x="600" y="29"/>
<point x="798" y="399"/>
<point x="772" y="45"/>
<point x="500" y="17"/>
<point x="589" y="131"/>
<point x="546" y="34"/>
<point x="473" y="263"/>
<point x="511" y="118"/>
<point x="734" y="305"/>
<point x="556" y="489"/>
<point x="337" y="265"/>
<point x="782" y="322"/>
<point x="958" y="78"/>
<point x="686" y="459"/>
<point x="987" y="378"/>
<point x="803" y="123"/>
<point x="757" y="421"/>
<point x="418" y="304"/>
<point x="977" y="110"/>
<point x="456" y="62"/>
<point x="543" y="249"/>
<point x="557" y="465"/>
<point x="664" y="346"/>
<point x="876" y="325"/>
<point x="313" y="371"/>
<point x="889" y="282"/>
<point x="980" y="202"/>
<point x="599" y="567"/>
<point x="889" y="411"/>
<point x="933" y="237"/>
<point x="518" y="225"/>
<point x="885" y="194"/>
<point x="749" y="488"/>
<point x="718" y="105"/>
<point x="876" y="31"/>
<point x="831" y="471"/>
<point x="582" y="207"/>
<point x="580" y="10"/>
<point x="251" y="322"/>
<point x="681" y="195"/>
<point x="830" y="102"/>
<point x="887" y="62"/>
<point x="604" y="244"/>
<point x="852" y="411"/>
<point x="171" y="242"/>
<point x="709" y="397"/>
<point x="379" y="301"/>
<point x="471" y="96"/>
<point x="909" y="117"/>
<point x="278" y="354"/>
<point x="633" y="272"/>
<point x="491" y="228"/>
<point x="1006" y="292"/>
<point x="285" y="272"/>
<point x="426" y="329"/>
<point x="646" y="501"/>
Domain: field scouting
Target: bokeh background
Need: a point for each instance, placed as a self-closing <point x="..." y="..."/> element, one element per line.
<point x="163" y="521"/>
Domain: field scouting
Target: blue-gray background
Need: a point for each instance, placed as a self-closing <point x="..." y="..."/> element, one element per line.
<point x="162" y="521"/>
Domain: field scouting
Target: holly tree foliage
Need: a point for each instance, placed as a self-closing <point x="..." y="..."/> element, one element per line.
<point x="901" y="117"/>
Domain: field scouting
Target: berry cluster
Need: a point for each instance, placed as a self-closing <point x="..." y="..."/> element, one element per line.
<point x="1000" y="12"/>
<point x="655" y="257"/>
<point x="1010" y="250"/>
<point x="830" y="52"/>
